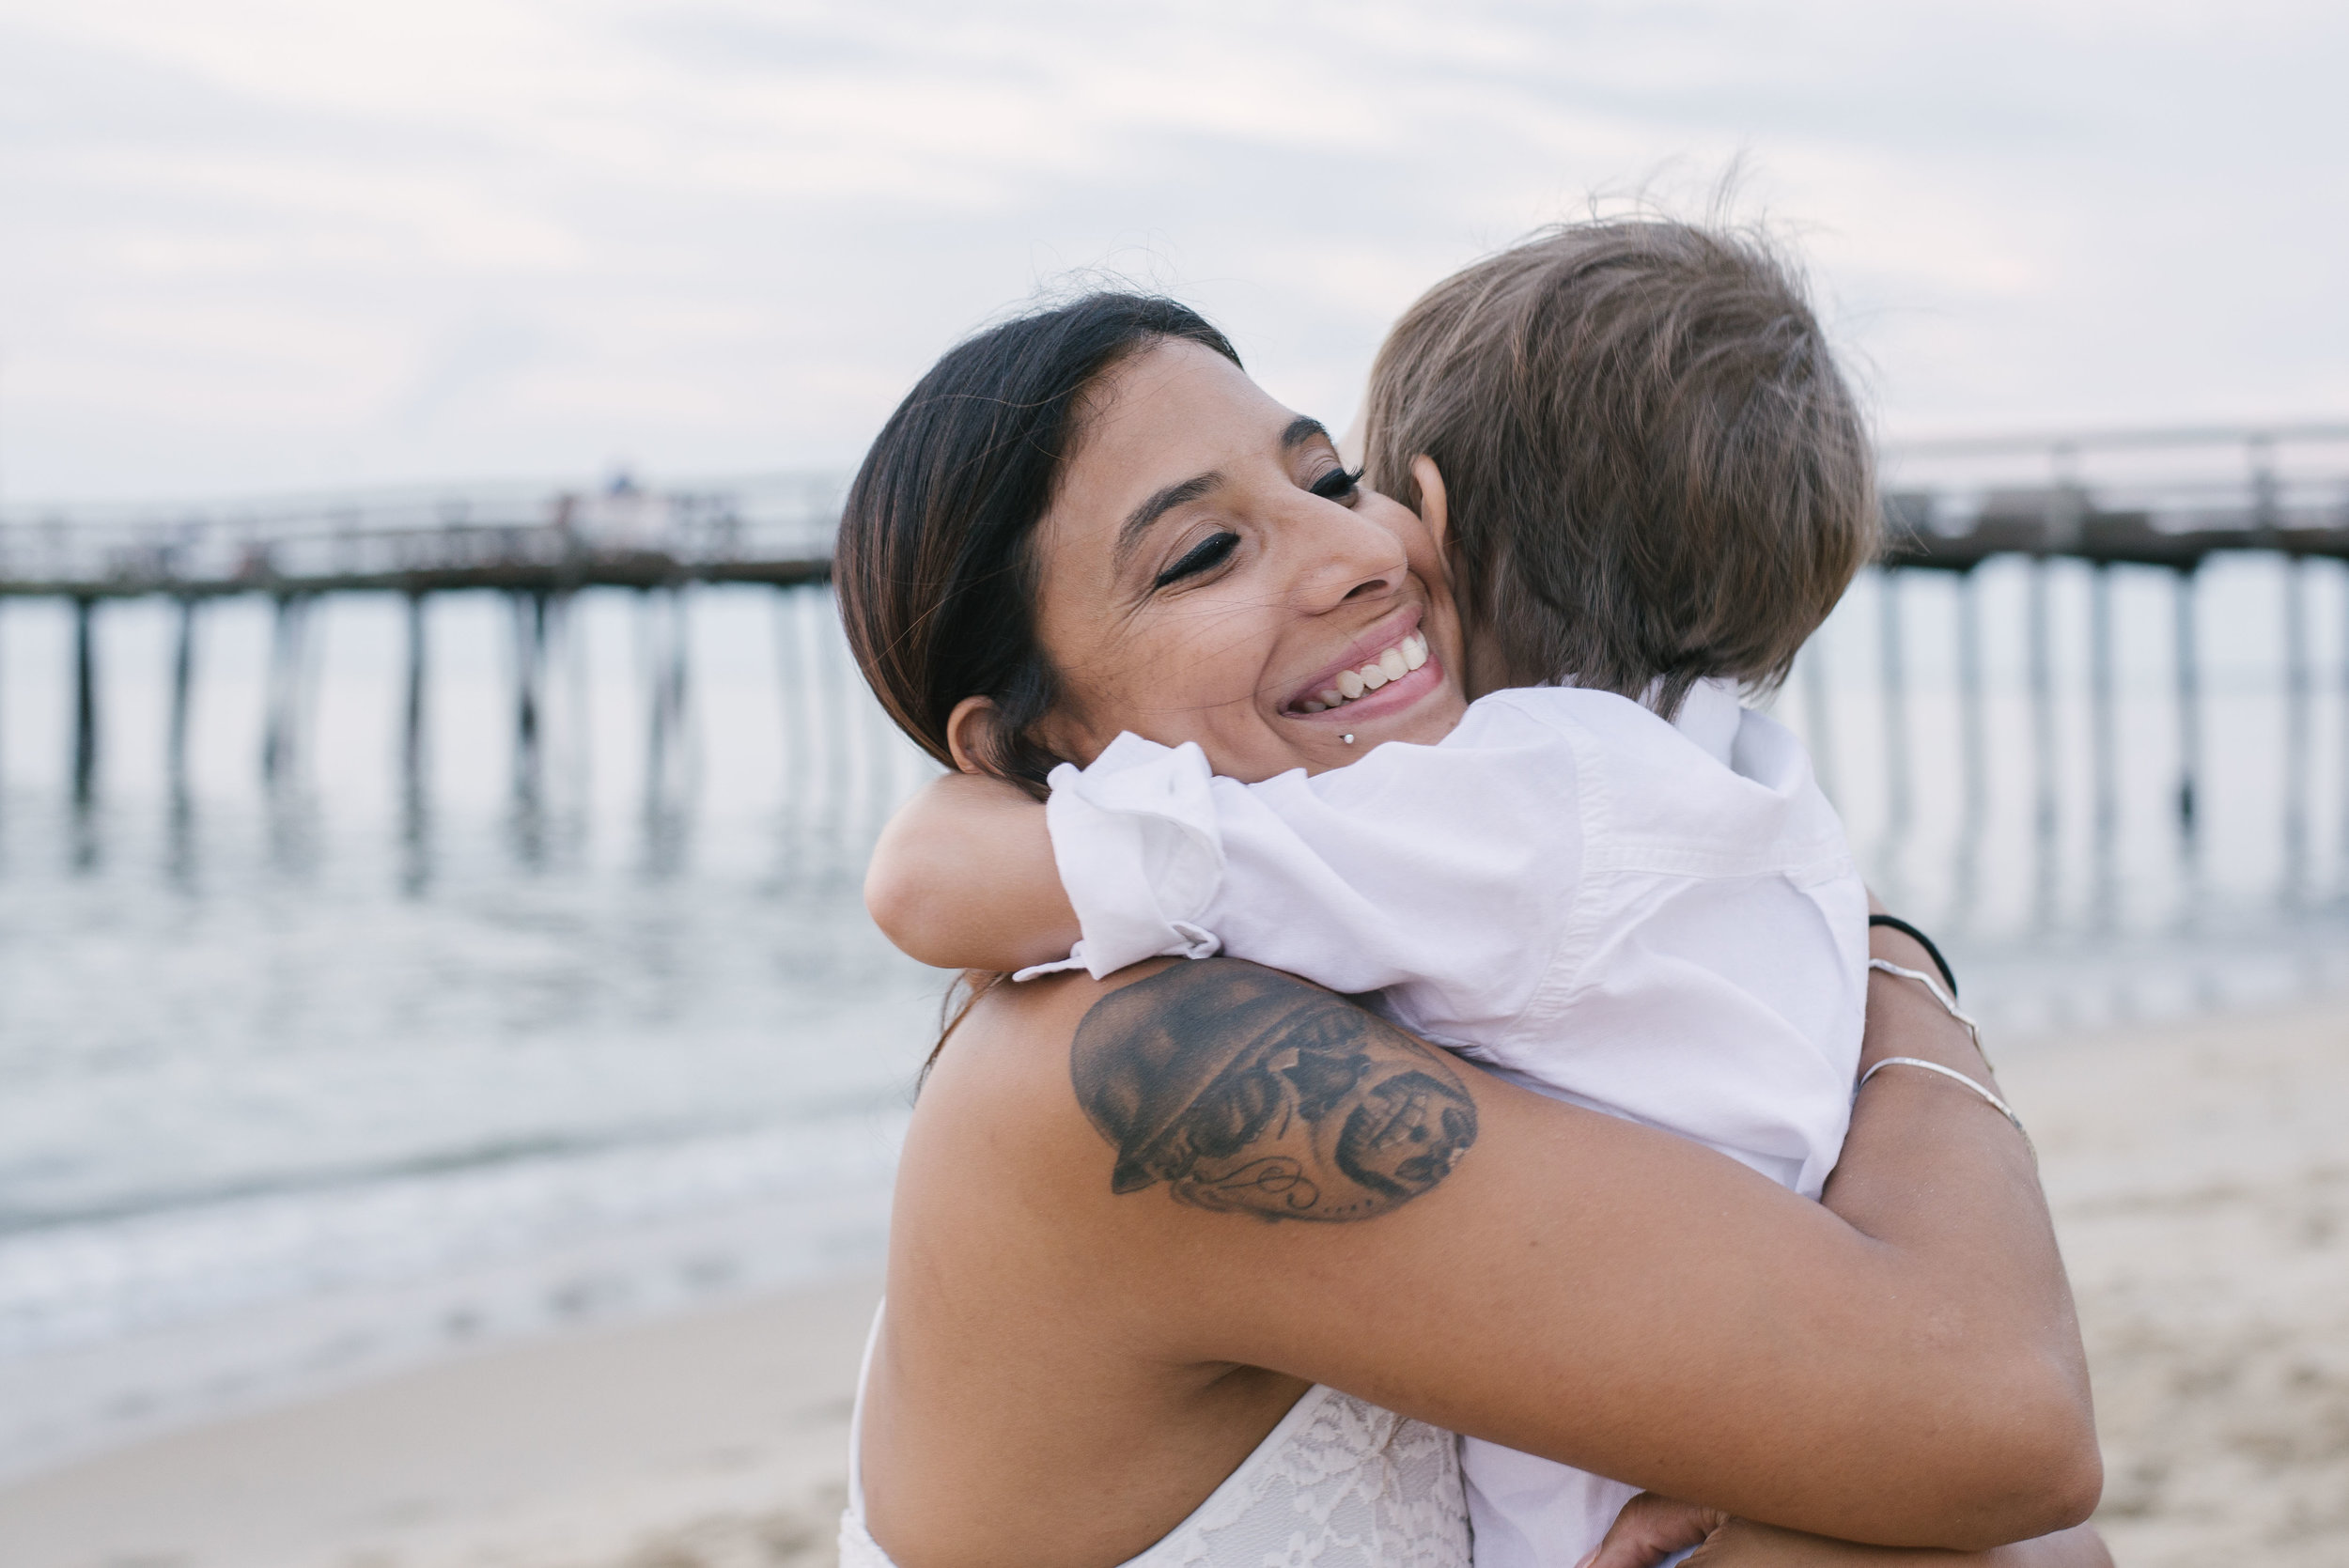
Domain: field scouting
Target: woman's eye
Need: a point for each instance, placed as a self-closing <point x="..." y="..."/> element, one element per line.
<point x="1206" y="554"/>
<point x="1337" y="484"/>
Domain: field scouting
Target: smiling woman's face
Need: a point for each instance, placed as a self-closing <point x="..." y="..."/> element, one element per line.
<point x="1207" y="573"/>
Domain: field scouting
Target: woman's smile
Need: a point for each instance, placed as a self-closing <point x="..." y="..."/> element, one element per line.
<point x="1385" y="671"/>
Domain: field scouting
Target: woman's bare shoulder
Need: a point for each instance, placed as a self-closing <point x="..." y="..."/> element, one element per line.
<point x="1002" y="1084"/>
<point x="1009" y="1055"/>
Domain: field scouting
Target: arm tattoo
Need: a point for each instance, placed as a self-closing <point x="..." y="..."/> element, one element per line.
<point x="1247" y="1091"/>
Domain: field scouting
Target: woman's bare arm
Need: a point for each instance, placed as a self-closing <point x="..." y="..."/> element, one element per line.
<point x="1258" y="1173"/>
<point x="963" y="879"/>
<point x="1907" y="1127"/>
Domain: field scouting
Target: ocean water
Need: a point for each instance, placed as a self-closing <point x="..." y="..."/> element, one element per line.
<point x="303" y="1083"/>
<point x="303" y="1086"/>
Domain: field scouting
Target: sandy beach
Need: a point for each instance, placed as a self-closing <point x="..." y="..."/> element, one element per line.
<point x="2200" y="1177"/>
<point x="711" y="1440"/>
<point x="2199" y="1173"/>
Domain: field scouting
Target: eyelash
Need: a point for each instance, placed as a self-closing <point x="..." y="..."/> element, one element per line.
<point x="1337" y="484"/>
<point x="1202" y="556"/>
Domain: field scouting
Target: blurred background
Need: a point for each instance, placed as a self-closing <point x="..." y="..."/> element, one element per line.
<point x="433" y="790"/>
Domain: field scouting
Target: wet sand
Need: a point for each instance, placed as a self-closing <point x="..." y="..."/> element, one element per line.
<point x="2201" y="1180"/>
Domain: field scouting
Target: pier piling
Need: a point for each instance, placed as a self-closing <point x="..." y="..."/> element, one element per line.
<point x="798" y="726"/>
<point x="289" y="686"/>
<point x="2105" y="747"/>
<point x="662" y="617"/>
<point x="2298" y="716"/>
<point x="1898" y="801"/>
<point x="183" y="685"/>
<point x="1973" y="748"/>
<point x="412" y="707"/>
<point x="85" y="701"/>
<point x="829" y="662"/>
<point x="2341" y="854"/>
<point x="2189" y="704"/>
<point x="530" y="675"/>
<point x="2046" y="804"/>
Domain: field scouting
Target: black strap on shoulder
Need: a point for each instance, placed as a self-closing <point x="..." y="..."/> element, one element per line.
<point x="1922" y="941"/>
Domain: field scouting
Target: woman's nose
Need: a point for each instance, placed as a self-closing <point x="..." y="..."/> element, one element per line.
<point x="1345" y="556"/>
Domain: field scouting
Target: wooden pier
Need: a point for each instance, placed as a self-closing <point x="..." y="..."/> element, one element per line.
<point x="2165" y="498"/>
<point x="536" y="548"/>
<point x="2168" y="500"/>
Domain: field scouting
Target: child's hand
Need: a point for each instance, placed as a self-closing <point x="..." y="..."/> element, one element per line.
<point x="1650" y="1528"/>
<point x="963" y="879"/>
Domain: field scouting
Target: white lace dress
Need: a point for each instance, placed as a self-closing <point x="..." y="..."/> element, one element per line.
<point x="1338" y="1483"/>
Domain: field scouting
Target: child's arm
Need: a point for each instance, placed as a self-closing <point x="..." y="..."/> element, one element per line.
<point x="1651" y="1528"/>
<point x="1445" y="865"/>
<point x="963" y="879"/>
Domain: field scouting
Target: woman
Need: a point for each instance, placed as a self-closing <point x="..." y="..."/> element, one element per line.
<point x="1090" y="521"/>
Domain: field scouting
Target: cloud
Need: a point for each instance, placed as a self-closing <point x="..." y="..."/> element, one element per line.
<point x="262" y="241"/>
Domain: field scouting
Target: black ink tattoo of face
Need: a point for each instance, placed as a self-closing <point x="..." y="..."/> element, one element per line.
<point x="1249" y="1092"/>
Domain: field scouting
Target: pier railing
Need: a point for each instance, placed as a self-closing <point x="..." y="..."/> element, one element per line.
<point x="777" y="530"/>
<point x="2158" y="498"/>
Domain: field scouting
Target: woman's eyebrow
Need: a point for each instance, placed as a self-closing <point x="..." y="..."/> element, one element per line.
<point x="1137" y="521"/>
<point x="1301" y="429"/>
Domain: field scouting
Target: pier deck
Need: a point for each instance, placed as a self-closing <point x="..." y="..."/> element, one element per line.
<point x="632" y="568"/>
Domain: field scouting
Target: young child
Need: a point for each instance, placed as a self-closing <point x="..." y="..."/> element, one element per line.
<point x="1611" y="883"/>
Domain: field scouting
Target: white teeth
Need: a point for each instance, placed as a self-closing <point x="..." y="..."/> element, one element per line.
<point x="1393" y="664"/>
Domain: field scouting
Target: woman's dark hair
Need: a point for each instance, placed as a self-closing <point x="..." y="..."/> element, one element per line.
<point x="935" y="568"/>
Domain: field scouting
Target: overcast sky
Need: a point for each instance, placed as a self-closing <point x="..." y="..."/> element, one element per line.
<point x="263" y="244"/>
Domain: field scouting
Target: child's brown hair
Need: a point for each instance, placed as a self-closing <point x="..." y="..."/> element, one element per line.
<point x="1654" y="469"/>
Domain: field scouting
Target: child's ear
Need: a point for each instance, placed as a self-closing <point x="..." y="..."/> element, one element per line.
<point x="1432" y="508"/>
<point x="970" y="733"/>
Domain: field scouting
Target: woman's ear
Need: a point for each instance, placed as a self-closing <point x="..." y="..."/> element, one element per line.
<point x="1433" y="510"/>
<point x="970" y="733"/>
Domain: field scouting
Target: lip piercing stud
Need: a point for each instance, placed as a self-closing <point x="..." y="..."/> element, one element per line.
<point x="1348" y="739"/>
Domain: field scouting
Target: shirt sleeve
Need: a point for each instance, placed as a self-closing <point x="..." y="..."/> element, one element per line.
<point x="1451" y="869"/>
<point x="1135" y="840"/>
